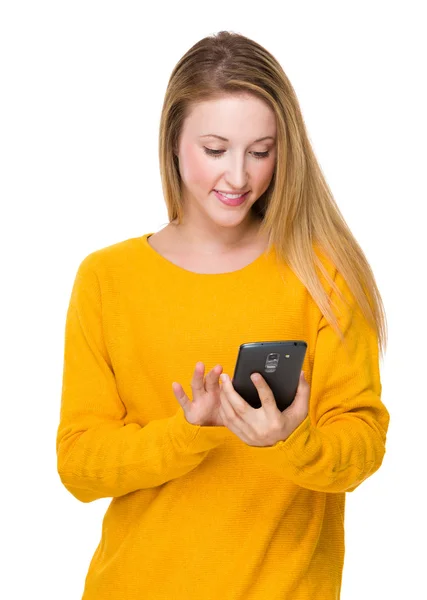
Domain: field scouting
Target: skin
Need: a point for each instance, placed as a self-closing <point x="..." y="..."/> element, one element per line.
<point x="210" y="227"/>
<point x="267" y="425"/>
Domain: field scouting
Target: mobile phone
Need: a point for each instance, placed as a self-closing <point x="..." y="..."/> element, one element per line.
<point x="280" y="364"/>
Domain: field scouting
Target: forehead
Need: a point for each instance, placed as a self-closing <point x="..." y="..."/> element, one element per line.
<point x="231" y="116"/>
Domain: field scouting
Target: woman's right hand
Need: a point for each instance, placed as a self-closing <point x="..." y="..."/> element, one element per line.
<point x="204" y="408"/>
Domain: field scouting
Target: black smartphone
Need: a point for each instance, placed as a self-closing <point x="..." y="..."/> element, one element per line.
<point x="280" y="363"/>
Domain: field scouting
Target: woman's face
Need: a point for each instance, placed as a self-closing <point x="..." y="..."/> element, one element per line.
<point x="236" y="164"/>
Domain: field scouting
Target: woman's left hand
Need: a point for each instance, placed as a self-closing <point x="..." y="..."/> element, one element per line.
<point x="267" y="425"/>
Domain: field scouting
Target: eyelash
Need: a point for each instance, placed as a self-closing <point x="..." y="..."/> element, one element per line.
<point x="218" y="153"/>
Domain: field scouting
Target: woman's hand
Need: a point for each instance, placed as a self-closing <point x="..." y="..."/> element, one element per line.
<point x="267" y="425"/>
<point x="204" y="409"/>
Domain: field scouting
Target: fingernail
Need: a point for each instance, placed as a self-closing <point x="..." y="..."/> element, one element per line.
<point x="224" y="377"/>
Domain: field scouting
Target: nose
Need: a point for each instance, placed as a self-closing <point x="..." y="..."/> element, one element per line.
<point x="237" y="176"/>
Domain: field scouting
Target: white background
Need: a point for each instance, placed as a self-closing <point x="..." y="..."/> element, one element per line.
<point x="82" y="84"/>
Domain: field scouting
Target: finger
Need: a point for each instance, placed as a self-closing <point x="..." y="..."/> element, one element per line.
<point x="212" y="379"/>
<point x="227" y="408"/>
<point x="238" y="404"/>
<point x="301" y="401"/>
<point x="197" y="382"/>
<point x="264" y="392"/>
<point x="231" y="420"/>
<point x="181" y="396"/>
<point x="302" y="388"/>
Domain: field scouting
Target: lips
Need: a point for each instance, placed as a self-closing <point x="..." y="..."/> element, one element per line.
<point x="233" y="193"/>
<point x="231" y="201"/>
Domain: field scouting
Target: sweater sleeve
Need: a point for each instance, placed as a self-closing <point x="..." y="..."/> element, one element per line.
<point x="342" y="440"/>
<point x="98" y="454"/>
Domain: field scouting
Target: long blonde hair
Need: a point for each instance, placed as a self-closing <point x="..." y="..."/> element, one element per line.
<point x="298" y="211"/>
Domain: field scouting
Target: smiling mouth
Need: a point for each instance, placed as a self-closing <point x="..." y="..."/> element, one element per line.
<point x="234" y="194"/>
<point x="233" y="201"/>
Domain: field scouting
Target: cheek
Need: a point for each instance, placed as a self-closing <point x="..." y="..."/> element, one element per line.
<point x="195" y="167"/>
<point x="262" y="178"/>
<point x="265" y="174"/>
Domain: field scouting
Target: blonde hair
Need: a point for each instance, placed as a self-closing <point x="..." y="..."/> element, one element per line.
<point x="298" y="211"/>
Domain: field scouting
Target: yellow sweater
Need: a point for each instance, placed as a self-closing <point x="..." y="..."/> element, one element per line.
<point x="197" y="514"/>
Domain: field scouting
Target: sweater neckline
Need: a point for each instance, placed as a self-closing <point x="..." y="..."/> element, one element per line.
<point x="173" y="267"/>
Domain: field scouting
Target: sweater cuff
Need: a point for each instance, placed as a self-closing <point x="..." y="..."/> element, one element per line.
<point x="195" y="438"/>
<point x="290" y="455"/>
<point x="296" y="443"/>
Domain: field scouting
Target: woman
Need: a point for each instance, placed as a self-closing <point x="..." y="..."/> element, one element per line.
<point x="212" y="498"/>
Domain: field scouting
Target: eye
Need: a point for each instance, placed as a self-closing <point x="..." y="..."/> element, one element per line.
<point x="218" y="153"/>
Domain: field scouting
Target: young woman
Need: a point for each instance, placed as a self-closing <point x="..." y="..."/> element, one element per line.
<point x="212" y="498"/>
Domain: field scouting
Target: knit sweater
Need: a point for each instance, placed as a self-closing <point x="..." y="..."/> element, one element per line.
<point x="196" y="513"/>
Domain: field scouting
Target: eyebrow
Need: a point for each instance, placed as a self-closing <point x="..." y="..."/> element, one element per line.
<point x="267" y="137"/>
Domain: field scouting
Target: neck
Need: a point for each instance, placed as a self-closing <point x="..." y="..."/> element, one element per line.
<point x="218" y="240"/>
